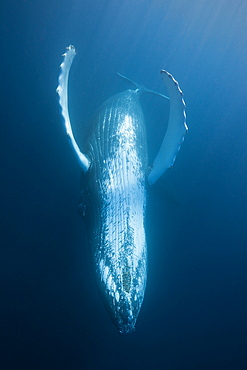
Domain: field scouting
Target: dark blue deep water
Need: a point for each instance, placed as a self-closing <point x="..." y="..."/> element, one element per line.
<point x="194" y="313"/>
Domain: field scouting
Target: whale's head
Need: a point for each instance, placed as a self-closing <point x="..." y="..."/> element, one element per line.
<point x="123" y="291"/>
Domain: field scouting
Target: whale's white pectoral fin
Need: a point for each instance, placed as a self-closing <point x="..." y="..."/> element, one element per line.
<point x="176" y="129"/>
<point x="62" y="91"/>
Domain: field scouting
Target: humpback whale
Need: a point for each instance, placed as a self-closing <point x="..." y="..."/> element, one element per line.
<point x="115" y="178"/>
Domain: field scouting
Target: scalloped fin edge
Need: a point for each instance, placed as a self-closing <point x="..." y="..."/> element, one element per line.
<point x="62" y="91"/>
<point x="175" y="132"/>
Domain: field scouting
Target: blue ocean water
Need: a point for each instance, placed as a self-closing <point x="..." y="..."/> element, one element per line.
<point x="194" y="311"/>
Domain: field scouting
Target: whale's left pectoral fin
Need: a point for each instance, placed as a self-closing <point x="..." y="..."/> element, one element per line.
<point x="176" y="130"/>
<point x="62" y="91"/>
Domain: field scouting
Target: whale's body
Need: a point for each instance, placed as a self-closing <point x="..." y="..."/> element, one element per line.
<point x="115" y="174"/>
<point x="116" y="198"/>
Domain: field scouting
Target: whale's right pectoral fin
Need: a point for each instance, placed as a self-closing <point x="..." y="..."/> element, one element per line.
<point x="176" y="130"/>
<point x="62" y="91"/>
